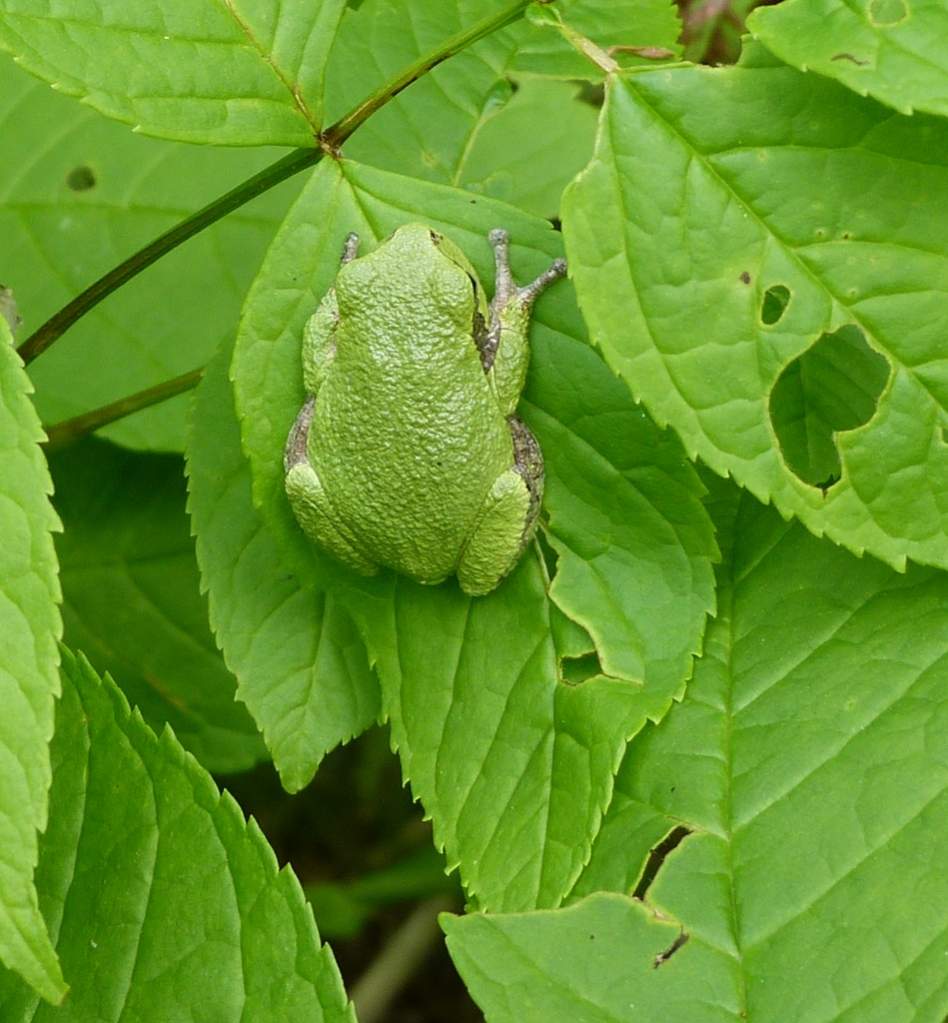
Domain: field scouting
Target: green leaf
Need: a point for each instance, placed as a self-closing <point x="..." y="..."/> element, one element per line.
<point x="549" y="748"/>
<point x="467" y="123"/>
<point x="513" y="765"/>
<point x="132" y="600"/>
<point x="809" y="763"/>
<point x="708" y="191"/>
<point x="892" y="50"/>
<point x="29" y="627"/>
<point x="300" y="664"/>
<point x="78" y="195"/>
<point x="576" y="33"/>
<point x="528" y="150"/>
<point x="231" y="73"/>
<point x="595" y="962"/>
<point x="165" y="902"/>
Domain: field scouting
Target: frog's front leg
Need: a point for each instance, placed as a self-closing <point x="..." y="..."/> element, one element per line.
<point x="308" y="497"/>
<point x="508" y="518"/>
<point x="505" y="352"/>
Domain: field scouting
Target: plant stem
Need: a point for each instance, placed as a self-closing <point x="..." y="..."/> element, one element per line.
<point x="293" y="163"/>
<point x="56" y="325"/>
<point x="61" y="434"/>
<point x="335" y="135"/>
<point x="378" y="987"/>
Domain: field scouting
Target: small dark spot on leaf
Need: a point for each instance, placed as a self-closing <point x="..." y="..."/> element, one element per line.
<point x="745" y="277"/>
<point x="81" y="178"/>
<point x="663" y="957"/>
<point x="774" y="304"/>
<point x="846" y="236"/>
<point x="850" y="58"/>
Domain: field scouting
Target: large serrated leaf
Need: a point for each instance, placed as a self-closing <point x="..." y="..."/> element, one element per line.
<point x="300" y="665"/>
<point x="78" y="194"/>
<point x="893" y="50"/>
<point x="230" y="72"/>
<point x="810" y="763"/>
<point x="29" y="629"/>
<point x="132" y="601"/>
<point x="719" y="234"/>
<point x="166" y="904"/>
<point x="430" y="664"/>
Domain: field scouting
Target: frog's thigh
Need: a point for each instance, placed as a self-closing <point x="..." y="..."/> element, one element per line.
<point x="497" y="540"/>
<point x="311" y="507"/>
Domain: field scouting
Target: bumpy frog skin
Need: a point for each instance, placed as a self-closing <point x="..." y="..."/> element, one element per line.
<point x="407" y="452"/>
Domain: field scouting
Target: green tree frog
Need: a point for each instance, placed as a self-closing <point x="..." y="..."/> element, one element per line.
<point x="407" y="452"/>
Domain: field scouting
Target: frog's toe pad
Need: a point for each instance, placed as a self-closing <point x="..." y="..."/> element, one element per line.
<point x="499" y="537"/>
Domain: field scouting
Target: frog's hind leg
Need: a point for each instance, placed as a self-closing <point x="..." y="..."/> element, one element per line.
<point x="309" y="501"/>
<point x="505" y="352"/>
<point x="508" y="519"/>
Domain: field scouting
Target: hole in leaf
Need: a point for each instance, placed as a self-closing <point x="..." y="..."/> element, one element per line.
<point x="774" y="304"/>
<point x="594" y="95"/>
<point x="663" y="957"/>
<point x="883" y="13"/>
<point x="832" y="387"/>
<point x="656" y="857"/>
<point x="576" y="670"/>
<point x="550" y="557"/>
<point x="81" y="179"/>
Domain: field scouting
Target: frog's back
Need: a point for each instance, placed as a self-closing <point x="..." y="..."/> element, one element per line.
<point x="407" y="436"/>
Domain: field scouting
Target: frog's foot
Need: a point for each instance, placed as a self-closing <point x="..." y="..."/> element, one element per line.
<point x="508" y="518"/>
<point x="505" y="287"/>
<point x="504" y="350"/>
<point x="309" y="501"/>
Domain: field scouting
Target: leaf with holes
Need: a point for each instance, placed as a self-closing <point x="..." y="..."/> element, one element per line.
<point x="228" y="73"/>
<point x="79" y="194"/>
<point x="749" y="902"/>
<point x="29" y="627"/>
<point x="809" y="760"/>
<point x="623" y="520"/>
<point x="132" y="600"/>
<point x="597" y="961"/>
<point x="158" y="891"/>
<point x="300" y="665"/>
<point x="736" y="221"/>
<point x="892" y="50"/>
